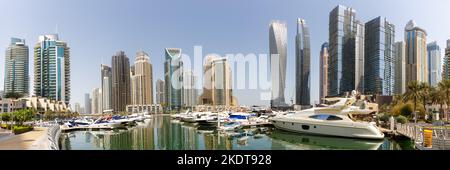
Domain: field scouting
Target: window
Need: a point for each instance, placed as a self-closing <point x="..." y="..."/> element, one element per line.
<point x="305" y="127"/>
<point x="331" y="117"/>
<point x="325" y="117"/>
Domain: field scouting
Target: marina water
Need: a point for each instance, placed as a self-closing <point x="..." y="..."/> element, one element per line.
<point x="163" y="133"/>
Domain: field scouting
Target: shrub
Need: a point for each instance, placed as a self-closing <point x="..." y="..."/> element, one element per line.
<point x="401" y="119"/>
<point x="21" y="129"/>
<point x="6" y="126"/>
<point x="384" y="117"/>
<point x="407" y="109"/>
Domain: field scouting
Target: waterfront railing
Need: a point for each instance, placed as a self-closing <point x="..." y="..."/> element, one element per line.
<point x="440" y="135"/>
<point x="53" y="135"/>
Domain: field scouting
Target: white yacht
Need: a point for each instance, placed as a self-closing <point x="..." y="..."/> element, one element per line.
<point x="333" y="120"/>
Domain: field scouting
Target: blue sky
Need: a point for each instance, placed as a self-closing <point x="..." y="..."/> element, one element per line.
<point x="96" y="29"/>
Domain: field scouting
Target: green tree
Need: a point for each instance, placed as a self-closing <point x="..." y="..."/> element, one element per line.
<point x="444" y="87"/>
<point x="413" y="93"/>
<point x="13" y="95"/>
<point x="425" y="91"/>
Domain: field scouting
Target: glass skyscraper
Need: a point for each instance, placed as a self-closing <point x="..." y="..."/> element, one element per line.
<point x="173" y="74"/>
<point x="434" y="64"/>
<point x="323" y="71"/>
<point x="106" y="79"/>
<point x="416" y="53"/>
<point x="278" y="52"/>
<point x="379" y="57"/>
<point x="121" y="94"/>
<point x="302" y="66"/>
<point x="52" y="68"/>
<point x="16" y="68"/>
<point x="346" y="51"/>
<point x="446" y="66"/>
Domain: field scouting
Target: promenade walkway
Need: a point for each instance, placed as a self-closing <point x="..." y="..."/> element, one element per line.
<point x="33" y="140"/>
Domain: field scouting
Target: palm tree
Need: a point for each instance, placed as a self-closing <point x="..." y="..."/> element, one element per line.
<point x="413" y="93"/>
<point x="444" y="87"/>
<point x="437" y="97"/>
<point x="425" y="93"/>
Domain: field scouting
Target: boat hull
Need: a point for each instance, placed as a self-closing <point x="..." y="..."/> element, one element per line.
<point x="348" y="131"/>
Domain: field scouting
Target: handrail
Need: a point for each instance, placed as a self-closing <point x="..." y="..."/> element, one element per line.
<point x="53" y="134"/>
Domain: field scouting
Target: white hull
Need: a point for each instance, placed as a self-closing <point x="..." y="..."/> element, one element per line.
<point x="339" y="129"/>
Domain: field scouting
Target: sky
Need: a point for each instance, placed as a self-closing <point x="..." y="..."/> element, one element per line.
<point x="96" y="29"/>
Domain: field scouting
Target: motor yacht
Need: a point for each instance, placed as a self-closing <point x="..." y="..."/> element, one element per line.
<point x="332" y="120"/>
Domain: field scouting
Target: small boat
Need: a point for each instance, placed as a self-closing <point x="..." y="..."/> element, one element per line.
<point x="243" y="140"/>
<point x="230" y="126"/>
<point x="102" y="123"/>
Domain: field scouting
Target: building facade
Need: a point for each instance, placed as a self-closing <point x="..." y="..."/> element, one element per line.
<point x="16" y="68"/>
<point x="96" y="101"/>
<point x="345" y="51"/>
<point x="446" y="65"/>
<point x="416" y="53"/>
<point x="302" y="64"/>
<point x="278" y="52"/>
<point x="87" y="104"/>
<point x="323" y="71"/>
<point x="160" y="92"/>
<point x="379" y="57"/>
<point x="121" y="96"/>
<point x="173" y="74"/>
<point x="434" y="64"/>
<point x="52" y="68"/>
<point x="142" y="80"/>
<point x="190" y="92"/>
<point x="400" y="68"/>
<point x="106" y="79"/>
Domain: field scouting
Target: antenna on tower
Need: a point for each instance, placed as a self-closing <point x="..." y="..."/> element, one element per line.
<point x="56" y="29"/>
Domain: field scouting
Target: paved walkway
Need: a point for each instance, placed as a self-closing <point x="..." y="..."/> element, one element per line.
<point x="34" y="140"/>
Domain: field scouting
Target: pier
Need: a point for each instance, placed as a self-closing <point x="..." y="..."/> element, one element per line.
<point x="439" y="135"/>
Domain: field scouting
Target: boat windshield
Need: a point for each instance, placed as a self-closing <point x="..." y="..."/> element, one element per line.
<point x="325" y="117"/>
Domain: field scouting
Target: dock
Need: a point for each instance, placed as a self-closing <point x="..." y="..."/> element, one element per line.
<point x="256" y="124"/>
<point x="68" y="129"/>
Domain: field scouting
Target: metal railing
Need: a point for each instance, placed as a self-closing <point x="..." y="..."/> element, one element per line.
<point x="53" y="134"/>
<point x="440" y="134"/>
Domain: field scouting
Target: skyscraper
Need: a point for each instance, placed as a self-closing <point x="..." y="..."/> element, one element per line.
<point x="278" y="52"/>
<point x="106" y="79"/>
<point x="400" y="68"/>
<point x="323" y="72"/>
<point x="16" y="68"/>
<point x="206" y="97"/>
<point x="379" y="57"/>
<point x="52" y="68"/>
<point x="345" y="51"/>
<point x="142" y="80"/>
<point x="78" y="108"/>
<point x="87" y="103"/>
<point x="416" y="53"/>
<point x="120" y="82"/>
<point x="446" y="66"/>
<point x="222" y="92"/>
<point x="160" y="92"/>
<point x="96" y="101"/>
<point x="434" y="64"/>
<point x="303" y="62"/>
<point x="190" y="93"/>
<point x="359" y="56"/>
<point x="173" y="68"/>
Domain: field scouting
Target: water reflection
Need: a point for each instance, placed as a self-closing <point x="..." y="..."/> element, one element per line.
<point x="161" y="133"/>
